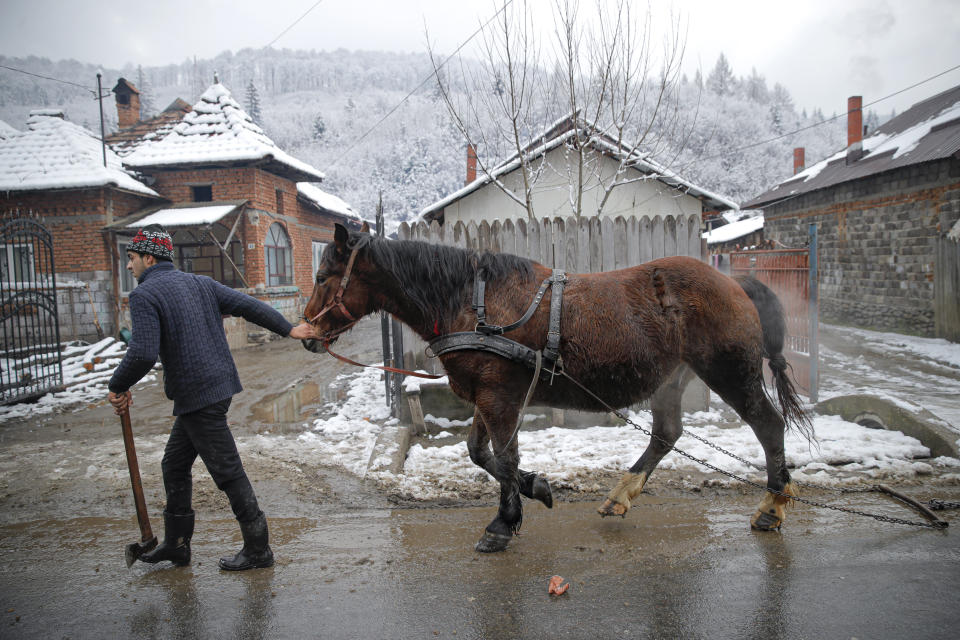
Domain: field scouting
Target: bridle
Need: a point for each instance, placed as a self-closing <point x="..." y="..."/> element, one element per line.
<point x="337" y="303"/>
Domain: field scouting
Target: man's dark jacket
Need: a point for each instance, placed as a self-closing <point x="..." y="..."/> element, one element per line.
<point x="178" y="317"/>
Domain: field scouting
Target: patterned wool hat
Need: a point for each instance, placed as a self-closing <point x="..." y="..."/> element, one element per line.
<point x="154" y="240"/>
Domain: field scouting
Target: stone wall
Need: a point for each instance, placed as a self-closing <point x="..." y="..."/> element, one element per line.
<point x="80" y="309"/>
<point x="877" y="243"/>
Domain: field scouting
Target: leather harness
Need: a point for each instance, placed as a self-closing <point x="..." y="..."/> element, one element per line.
<point x="489" y="338"/>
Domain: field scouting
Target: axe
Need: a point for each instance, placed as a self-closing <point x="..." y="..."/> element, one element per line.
<point x="147" y="540"/>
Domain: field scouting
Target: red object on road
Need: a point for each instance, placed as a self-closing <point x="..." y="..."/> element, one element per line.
<point x="555" y="587"/>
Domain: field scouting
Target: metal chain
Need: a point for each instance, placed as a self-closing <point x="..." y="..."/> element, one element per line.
<point x="940" y="505"/>
<point x="882" y="518"/>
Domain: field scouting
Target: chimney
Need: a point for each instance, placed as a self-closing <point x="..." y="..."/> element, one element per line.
<point x="798" y="160"/>
<point x="128" y="103"/>
<point x="854" y="129"/>
<point x="471" y="163"/>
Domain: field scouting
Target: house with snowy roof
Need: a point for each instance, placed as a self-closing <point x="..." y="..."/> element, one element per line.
<point x="643" y="189"/>
<point x="884" y="207"/>
<point x="239" y="208"/>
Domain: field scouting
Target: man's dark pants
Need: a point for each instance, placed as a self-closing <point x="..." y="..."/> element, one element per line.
<point x="205" y="433"/>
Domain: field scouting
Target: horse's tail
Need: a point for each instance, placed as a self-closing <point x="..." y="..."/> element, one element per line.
<point x="774" y="333"/>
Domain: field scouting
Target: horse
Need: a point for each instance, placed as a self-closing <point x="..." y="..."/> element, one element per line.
<point x="628" y="335"/>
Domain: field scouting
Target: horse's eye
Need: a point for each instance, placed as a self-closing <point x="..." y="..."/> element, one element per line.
<point x="321" y="278"/>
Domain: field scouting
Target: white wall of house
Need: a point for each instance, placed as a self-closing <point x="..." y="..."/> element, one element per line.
<point x="551" y="196"/>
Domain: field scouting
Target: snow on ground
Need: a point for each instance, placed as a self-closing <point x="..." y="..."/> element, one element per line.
<point x="845" y="453"/>
<point x="82" y="386"/>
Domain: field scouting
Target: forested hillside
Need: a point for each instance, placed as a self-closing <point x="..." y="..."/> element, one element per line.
<point x="331" y="110"/>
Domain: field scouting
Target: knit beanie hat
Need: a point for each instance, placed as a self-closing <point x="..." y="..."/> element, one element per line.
<point x="154" y="240"/>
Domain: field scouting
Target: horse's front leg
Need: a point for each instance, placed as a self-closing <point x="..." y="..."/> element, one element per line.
<point x="501" y="420"/>
<point x="532" y="485"/>
<point x="667" y="427"/>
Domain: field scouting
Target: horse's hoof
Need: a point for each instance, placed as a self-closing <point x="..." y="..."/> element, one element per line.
<point x="492" y="542"/>
<point x="541" y="491"/>
<point x="763" y="521"/>
<point x="612" y="508"/>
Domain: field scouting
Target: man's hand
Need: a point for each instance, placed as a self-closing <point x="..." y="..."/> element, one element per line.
<point x="120" y="401"/>
<point x="303" y="331"/>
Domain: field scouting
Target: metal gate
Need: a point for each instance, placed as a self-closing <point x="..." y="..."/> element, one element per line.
<point x="792" y="275"/>
<point x="30" y="364"/>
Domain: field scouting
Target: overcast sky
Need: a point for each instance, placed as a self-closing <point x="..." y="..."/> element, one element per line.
<point x="821" y="50"/>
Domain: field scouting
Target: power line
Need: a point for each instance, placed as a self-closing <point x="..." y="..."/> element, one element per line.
<point x="282" y="33"/>
<point x="37" y="75"/>
<point x="419" y="86"/>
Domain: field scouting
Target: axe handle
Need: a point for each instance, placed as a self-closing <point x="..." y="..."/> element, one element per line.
<point x="142" y="518"/>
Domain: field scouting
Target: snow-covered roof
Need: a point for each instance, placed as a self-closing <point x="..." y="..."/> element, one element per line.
<point x="178" y="214"/>
<point x="734" y="230"/>
<point x="53" y="153"/>
<point x="6" y="130"/>
<point x="218" y="131"/>
<point x="558" y="134"/>
<point x="927" y="131"/>
<point x="326" y="200"/>
<point x="183" y="217"/>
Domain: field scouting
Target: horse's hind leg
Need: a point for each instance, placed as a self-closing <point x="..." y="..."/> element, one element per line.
<point x="750" y="401"/>
<point x="667" y="427"/>
<point x="532" y="485"/>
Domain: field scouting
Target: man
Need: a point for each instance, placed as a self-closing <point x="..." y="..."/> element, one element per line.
<point x="178" y="317"/>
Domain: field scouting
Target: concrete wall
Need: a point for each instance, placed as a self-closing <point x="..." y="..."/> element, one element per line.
<point x="877" y="240"/>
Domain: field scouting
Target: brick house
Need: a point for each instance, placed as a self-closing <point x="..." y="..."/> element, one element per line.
<point x="882" y="207"/>
<point x="239" y="208"/>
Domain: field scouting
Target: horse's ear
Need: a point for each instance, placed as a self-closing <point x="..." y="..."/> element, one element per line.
<point x="340" y="237"/>
<point x="365" y="228"/>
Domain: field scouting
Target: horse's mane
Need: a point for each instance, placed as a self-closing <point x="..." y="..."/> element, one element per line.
<point x="437" y="278"/>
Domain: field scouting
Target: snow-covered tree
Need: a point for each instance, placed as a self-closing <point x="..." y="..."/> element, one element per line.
<point x="721" y="80"/>
<point x="147" y="107"/>
<point x="252" y="105"/>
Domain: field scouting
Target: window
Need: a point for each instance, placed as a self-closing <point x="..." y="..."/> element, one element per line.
<point x="16" y="263"/>
<point x="278" y="256"/>
<point x="280" y="201"/>
<point x="123" y="98"/>
<point x="318" y="248"/>
<point x="202" y="193"/>
<point x="127" y="281"/>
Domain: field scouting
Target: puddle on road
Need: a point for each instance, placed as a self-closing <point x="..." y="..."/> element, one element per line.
<point x="289" y="408"/>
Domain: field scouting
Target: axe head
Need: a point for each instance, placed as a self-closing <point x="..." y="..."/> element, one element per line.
<point x="136" y="549"/>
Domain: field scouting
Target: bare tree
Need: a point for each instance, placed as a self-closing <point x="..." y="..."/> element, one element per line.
<point x="603" y="90"/>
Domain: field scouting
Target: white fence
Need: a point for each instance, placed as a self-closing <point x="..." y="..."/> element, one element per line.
<point x="586" y="245"/>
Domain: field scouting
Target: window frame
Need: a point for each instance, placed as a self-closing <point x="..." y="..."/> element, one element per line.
<point x="278" y="258"/>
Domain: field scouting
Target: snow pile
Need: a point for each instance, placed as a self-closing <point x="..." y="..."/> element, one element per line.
<point x="86" y="370"/>
<point x="346" y="438"/>
<point x="575" y="458"/>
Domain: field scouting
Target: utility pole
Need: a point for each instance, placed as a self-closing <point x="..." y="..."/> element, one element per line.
<point x="103" y="135"/>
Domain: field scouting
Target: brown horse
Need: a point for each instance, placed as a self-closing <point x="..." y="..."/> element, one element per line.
<point x="626" y="335"/>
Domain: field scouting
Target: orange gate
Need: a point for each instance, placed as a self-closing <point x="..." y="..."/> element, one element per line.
<point x="788" y="273"/>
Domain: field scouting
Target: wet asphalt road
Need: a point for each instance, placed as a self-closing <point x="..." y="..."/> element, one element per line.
<point x="351" y="564"/>
<point x="676" y="567"/>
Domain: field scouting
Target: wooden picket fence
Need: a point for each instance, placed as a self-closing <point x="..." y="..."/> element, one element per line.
<point x="585" y="245"/>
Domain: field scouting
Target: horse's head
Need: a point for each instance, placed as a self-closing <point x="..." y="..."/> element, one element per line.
<point x="341" y="295"/>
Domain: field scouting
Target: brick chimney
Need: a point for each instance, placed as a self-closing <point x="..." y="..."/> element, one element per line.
<point x="471" y="163"/>
<point x="854" y="129"/>
<point x="128" y="103"/>
<point x="798" y="160"/>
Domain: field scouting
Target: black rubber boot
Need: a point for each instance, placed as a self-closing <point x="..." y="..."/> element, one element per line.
<point x="177" y="531"/>
<point x="256" y="553"/>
